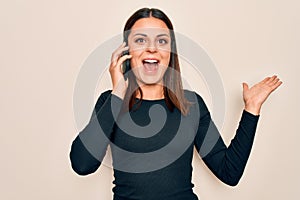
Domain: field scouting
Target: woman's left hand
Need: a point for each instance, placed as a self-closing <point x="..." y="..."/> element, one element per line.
<point x="255" y="96"/>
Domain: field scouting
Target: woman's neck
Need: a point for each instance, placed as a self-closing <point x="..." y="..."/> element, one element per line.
<point x="152" y="92"/>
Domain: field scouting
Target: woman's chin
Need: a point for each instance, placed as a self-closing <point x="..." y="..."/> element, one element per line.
<point x="150" y="80"/>
<point x="150" y="77"/>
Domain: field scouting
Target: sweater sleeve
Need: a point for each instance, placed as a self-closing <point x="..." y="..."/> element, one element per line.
<point x="226" y="163"/>
<point x="89" y="147"/>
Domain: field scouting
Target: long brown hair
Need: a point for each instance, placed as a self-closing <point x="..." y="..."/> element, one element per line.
<point x="173" y="90"/>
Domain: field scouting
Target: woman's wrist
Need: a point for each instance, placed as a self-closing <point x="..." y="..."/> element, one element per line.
<point x="252" y="108"/>
<point x="118" y="93"/>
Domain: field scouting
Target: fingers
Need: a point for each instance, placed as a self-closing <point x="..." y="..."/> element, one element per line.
<point x="276" y="84"/>
<point x="265" y="80"/>
<point x="268" y="80"/>
<point x="272" y="82"/>
<point x="122" y="59"/>
<point x="118" y="58"/>
<point x="117" y="67"/>
<point x="118" y="53"/>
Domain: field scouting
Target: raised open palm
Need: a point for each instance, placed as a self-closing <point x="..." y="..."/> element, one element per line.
<point x="255" y="96"/>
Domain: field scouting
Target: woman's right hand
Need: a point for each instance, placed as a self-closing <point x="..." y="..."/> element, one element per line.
<point x="118" y="82"/>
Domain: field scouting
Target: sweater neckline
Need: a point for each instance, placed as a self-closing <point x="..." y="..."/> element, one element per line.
<point x="150" y="100"/>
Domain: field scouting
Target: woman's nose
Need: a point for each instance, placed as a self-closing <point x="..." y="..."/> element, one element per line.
<point x="151" y="47"/>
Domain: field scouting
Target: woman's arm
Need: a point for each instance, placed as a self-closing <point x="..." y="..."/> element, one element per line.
<point x="228" y="163"/>
<point x="89" y="147"/>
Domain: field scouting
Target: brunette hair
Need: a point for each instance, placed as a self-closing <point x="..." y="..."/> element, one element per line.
<point x="173" y="90"/>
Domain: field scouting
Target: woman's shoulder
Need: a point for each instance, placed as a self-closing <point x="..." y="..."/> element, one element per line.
<point x="102" y="97"/>
<point x="192" y="96"/>
<point x="195" y="98"/>
<point x="105" y="94"/>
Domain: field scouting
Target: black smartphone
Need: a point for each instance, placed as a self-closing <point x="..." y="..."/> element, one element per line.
<point x="126" y="65"/>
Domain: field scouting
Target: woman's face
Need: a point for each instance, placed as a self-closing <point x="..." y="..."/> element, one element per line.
<point x="150" y="45"/>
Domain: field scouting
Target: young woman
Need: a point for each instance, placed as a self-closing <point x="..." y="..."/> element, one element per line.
<point x="152" y="124"/>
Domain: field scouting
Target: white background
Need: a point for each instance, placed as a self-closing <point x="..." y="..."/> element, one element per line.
<point x="43" y="45"/>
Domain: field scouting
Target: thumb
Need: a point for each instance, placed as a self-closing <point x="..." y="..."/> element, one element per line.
<point x="245" y="86"/>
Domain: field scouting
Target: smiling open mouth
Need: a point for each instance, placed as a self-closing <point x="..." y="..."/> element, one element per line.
<point x="150" y="65"/>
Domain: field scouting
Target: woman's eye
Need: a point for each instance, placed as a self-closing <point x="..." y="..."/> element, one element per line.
<point x="140" y="40"/>
<point x="162" y="41"/>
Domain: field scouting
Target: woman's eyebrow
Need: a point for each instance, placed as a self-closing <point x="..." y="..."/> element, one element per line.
<point x="140" y="34"/>
<point x="159" y="35"/>
<point x="164" y="34"/>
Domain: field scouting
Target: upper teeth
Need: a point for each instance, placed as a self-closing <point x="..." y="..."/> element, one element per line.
<point x="151" y="61"/>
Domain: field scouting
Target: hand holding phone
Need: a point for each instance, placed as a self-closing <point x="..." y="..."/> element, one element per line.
<point x="126" y="65"/>
<point x="120" y="65"/>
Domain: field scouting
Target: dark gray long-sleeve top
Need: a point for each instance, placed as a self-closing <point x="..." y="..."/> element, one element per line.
<point x="152" y="147"/>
